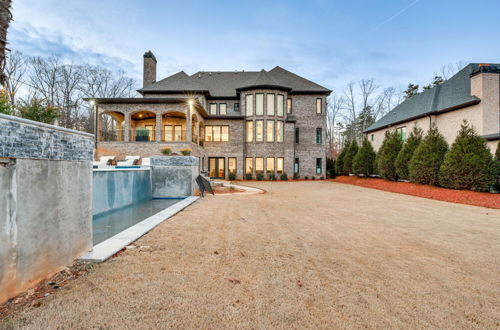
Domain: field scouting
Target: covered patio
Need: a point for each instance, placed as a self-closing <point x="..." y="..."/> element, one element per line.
<point x="170" y="120"/>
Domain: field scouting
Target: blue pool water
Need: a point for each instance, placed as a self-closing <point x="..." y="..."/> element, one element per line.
<point x="108" y="224"/>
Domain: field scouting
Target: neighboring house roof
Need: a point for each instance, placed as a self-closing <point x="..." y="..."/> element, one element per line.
<point x="228" y="84"/>
<point x="453" y="94"/>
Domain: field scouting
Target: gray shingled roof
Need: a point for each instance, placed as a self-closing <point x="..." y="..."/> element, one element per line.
<point x="227" y="84"/>
<point x="453" y="93"/>
<point x="264" y="80"/>
<point x="179" y="81"/>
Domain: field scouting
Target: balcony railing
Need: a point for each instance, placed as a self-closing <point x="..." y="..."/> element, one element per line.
<point x="173" y="135"/>
<point x="140" y="134"/>
<point x="111" y="135"/>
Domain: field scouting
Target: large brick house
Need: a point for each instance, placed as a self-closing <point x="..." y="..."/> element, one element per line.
<point x="237" y="121"/>
<point x="472" y="94"/>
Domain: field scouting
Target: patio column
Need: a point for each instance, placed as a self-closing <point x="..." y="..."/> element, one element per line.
<point x="197" y="132"/>
<point x="99" y="127"/>
<point x="189" y="132"/>
<point x="159" y="118"/>
<point x="126" y="127"/>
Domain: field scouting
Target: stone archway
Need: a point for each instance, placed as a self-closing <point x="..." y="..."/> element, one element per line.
<point x="142" y="126"/>
<point x="110" y="126"/>
<point x="173" y="126"/>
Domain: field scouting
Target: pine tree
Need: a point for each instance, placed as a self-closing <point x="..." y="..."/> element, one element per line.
<point x="364" y="159"/>
<point x="386" y="158"/>
<point x="339" y="164"/>
<point x="411" y="90"/>
<point x="407" y="152"/>
<point x="349" y="156"/>
<point x="428" y="157"/>
<point x="469" y="163"/>
<point x="438" y="80"/>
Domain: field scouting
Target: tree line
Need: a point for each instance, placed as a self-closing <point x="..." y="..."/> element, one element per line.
<point x="52" y="90"/>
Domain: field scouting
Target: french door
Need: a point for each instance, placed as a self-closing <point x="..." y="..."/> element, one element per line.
<point x="216" y="167"/>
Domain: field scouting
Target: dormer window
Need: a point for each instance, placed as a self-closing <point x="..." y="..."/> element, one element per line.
<point x="213" y="109"/>
<point x="223" y="109"/>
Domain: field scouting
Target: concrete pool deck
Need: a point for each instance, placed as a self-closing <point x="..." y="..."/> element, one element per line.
<point x="112" y="245"/>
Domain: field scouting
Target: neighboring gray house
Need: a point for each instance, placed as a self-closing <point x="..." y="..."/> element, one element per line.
<point x="238" y="121"/>
<point x="472" y="94"/>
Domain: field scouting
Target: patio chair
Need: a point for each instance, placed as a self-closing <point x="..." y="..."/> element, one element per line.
<point x="146" y="162"/>
<point x="104" y="161"/>
<point x="129" y="161"/>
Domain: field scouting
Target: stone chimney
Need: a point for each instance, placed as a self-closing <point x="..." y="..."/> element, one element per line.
<point x="149" y="73"/>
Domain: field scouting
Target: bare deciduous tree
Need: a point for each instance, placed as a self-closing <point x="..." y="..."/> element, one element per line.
<point x="15" y="69"/>
<point x="64" y="85"/>
<point x="332" y="132"/>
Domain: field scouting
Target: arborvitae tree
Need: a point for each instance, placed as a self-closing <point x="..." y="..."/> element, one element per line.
<point x="386" y="158"/>
<point x="364" y="159"/>
<point x="497" y="167"/>
<point x="349" y="156"/>
<point x="428" y="157"/>
<point x="406" y="153"/>
<point x="375" y="164"/>
<point x="339" y="164"/>
<point x="469" y="163"/>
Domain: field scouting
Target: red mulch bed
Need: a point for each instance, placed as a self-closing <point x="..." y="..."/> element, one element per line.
<point x="441" y="194"/>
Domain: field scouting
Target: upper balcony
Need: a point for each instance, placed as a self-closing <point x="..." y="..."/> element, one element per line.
<point x="147" y="126"/>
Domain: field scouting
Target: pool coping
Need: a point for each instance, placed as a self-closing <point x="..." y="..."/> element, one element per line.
<point x="104" y="250"/>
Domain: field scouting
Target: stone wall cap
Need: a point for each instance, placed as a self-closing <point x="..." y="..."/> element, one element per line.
<point x="174" y="161"/>
<point x="37" y="123"/>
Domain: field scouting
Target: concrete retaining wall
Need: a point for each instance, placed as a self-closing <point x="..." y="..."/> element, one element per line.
<point x="174" y="176"/>
<point x="116" y="188"/>
<point x="45" y="201"/>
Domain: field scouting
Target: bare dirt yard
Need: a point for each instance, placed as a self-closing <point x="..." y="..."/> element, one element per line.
<point x="304" y="255"/>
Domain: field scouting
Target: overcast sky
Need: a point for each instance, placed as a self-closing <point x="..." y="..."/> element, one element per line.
<point x="331" y="42"/>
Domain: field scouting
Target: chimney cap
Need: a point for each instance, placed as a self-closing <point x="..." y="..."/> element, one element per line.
<point x="149" y="54"/>
<point x="485" y="68"/>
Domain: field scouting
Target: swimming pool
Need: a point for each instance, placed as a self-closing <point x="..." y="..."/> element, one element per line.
<point x="108" y="224"/>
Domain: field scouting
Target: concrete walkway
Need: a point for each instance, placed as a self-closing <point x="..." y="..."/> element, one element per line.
<point x="303" y="255"/>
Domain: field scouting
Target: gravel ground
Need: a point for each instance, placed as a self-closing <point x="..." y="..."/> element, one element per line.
<point x="304" y="255"/>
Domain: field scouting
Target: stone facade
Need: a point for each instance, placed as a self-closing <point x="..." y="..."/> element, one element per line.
<point x="187" y="104"/>
<point x="303" y="117"/>
<point x="21" y="138"/>
<point x="484" y="116"/>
